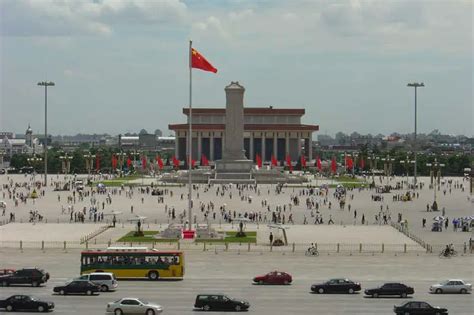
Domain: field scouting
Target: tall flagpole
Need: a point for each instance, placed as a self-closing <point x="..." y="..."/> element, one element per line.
<point x="190" y="136"/>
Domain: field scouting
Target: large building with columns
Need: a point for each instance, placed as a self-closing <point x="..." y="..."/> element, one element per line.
<point x="268" y="132"/>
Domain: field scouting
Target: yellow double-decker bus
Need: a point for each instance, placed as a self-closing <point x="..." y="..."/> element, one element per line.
<point x="134" y="263"/>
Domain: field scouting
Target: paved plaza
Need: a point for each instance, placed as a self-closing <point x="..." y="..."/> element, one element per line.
<point x="54" y="207"/>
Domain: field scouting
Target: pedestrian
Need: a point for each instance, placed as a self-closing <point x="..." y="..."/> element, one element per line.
<point x="271" y="239"/>
<point x="424" y="222"/>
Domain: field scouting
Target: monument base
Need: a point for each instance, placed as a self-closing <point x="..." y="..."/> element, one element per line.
<point x="233" y="171"/>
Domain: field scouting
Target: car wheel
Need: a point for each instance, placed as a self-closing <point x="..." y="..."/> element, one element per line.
<point x="351" y="291"/>
<point x="463" y="291"/>
<point x="238" y="308"/>
<point x="41" y="308"/>
<point x="438" y="291"/>
<point x="320" y="290"/>
<point x="375" y="295"/>
<point x="89" y="292"/>
<point x="150" y="312"/>
<point x="206" y="308"/>
<point x="260" y="282"/>
<point x="62" y="292"/>
<point x="35" y="284"/>
<point x="104" y="288"/>
<point x="118" y="311"/>
<point x="9" y="308"/>
<point x="153" y="275"/>
<point x="403" y="295"/>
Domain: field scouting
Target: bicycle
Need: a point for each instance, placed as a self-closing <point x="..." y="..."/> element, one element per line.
<point x="451" y="253"/>
<point x="311" y="252"/>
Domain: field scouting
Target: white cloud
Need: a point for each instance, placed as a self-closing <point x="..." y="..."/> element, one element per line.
<point x="71" y="17"/>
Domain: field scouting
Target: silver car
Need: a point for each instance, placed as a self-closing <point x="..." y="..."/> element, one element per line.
<point x="131" y="305"/>
<point x="451" y="286"/>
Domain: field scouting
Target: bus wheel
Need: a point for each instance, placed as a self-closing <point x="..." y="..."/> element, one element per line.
<point x="153" y="275"/>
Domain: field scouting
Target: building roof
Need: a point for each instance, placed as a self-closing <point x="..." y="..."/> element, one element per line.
<point x="270" y="127"/>
<point x="249" y="111"/>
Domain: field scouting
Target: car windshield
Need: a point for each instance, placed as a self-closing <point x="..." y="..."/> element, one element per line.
<point x="445" y="282"/>
<point x="34" y="298"/>
<point x="143" y="302"/>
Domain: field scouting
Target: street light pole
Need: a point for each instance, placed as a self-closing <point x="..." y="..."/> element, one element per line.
<point x="45" y="143"/>
<point x="416" y="85"/>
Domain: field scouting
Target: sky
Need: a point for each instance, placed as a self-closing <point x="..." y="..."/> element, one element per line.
<point x="122" y="65"/>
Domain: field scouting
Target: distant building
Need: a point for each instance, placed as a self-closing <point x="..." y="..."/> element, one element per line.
<point x="10" y="144"/>
<point x="268" y="132"/>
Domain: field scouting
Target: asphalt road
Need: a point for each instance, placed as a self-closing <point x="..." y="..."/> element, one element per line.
<point x="231" y="274"/>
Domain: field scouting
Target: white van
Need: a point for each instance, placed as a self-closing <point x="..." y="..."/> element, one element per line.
<point x="106" y="280"/>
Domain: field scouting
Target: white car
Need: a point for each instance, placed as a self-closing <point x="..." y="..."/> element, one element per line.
<point x="133" y="306"/>
<point x="451" y="286"/>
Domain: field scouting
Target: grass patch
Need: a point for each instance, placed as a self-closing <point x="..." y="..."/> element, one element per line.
<point x="349" y="179"/>
<point x="117" y="181"/>
<point x="231" y="238"/>
<point x="350" y="185"/>
<point x="147" y="238"/>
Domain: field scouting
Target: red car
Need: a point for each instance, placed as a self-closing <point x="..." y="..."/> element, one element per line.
<point x="274" y="277"/>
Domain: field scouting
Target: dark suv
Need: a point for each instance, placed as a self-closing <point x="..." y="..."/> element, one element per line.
<point x="390" y="289"/>
<point x="219" y="302"/>
<point x="33" y="276"/>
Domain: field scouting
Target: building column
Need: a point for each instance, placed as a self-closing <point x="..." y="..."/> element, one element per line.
<point x="287" y="144"/>
<point x="176" y="142"/>
<point x="310" y="145"/>
<point x="263" y="147"/>
<point x="199" y="134"/>
<point x="251" y="154"/>
<point x="211" y="146"/>
<point x="275" y="142"/>
<point x="299" y="144"/>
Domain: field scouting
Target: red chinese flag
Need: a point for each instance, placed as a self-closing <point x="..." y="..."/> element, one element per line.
<point x="114" y="162"/>
<point x="350" y="163"/>
<point x="160" y="162"/>
<point x="129" y="162"/>
<point x="303" y="161"/>
<point x="362" y="163"/>
<point x="259" y="160"/>
<point x="175" y="162"/>
<point x="333" y="165"/>
<point x="274" y="161"/>
<point x="318" y="164"/>
<point x="97" y="162"/>
<point x="204" y="160"/>
<point x="199" y="62"/>
<point x="193" y="163"/>
<point x="144" y="162"/>
<point x="288" y="162"/>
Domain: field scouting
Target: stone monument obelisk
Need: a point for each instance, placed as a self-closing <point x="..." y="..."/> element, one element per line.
<point x="233" y="155"/>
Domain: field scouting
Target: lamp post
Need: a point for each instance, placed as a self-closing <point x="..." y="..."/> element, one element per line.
<point x="407" y="163"/>
<point x="415" y="85"/>
<point x="387" y="166"/>
<point x="32" y="161"/>
<point x="373" y="165"/>
<point x="45" y="143"/>
<point x="66" y="163"/>
<point x="435" y="175"/>
<point x="89" y="161"/>
<point x="121" y="157"/>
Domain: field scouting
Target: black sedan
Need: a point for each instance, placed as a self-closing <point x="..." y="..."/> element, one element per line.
<point x="25" y="303"/>
<point x="419" y="308"/>
<point x="336" y="286"/>
<point x="390" y="289"/>
<point x="77" y="287"/>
